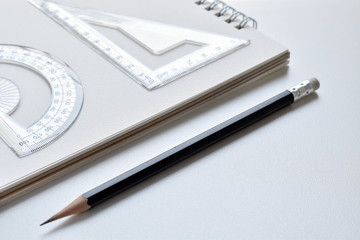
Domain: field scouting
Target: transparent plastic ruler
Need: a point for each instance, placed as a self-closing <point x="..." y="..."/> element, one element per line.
<point x="66" y="100"/>
<point x="155" y="37"/>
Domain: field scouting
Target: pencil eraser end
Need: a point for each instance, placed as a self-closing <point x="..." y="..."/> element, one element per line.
<point x="315" y="84"/>
<point x="304" y="88"/>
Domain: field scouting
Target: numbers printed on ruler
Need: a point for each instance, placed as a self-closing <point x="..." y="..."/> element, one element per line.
<point x="155" y="37"/>
<point x="66" y="100"/>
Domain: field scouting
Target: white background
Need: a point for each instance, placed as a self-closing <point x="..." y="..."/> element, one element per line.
<point x="294" y="175"/>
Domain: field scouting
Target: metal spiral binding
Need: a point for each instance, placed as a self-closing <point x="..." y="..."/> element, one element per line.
<point x="234" y="14"/>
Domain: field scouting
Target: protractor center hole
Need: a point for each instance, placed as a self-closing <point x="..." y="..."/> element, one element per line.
<point x="35" y="93"/>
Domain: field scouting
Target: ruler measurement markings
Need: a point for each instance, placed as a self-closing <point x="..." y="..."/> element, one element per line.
<point x="74" y="20"/>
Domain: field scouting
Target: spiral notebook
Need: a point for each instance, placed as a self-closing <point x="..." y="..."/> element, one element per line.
<point x="81" y="78"/>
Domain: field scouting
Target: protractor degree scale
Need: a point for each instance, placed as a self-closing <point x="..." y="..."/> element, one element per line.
<point x="65" y="104"/>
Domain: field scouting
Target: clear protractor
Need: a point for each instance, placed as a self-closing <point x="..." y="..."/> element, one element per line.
<point x="64" y="107"/>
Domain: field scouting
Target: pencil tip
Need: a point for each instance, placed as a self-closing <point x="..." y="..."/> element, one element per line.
<point x="47" y="221"/>
<point x="77" y="206"/>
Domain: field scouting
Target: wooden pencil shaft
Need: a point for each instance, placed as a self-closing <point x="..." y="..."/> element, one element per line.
<point x="187" y="149"/>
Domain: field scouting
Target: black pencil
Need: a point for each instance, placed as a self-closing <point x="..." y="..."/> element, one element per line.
<point x="175" y="155"/>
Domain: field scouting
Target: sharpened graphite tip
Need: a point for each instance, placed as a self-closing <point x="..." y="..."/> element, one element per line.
<point x="47" y="221"/>
<point x="77" y="206"/>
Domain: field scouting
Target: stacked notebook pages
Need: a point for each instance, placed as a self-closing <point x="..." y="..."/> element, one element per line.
<point x="126" y="67"/>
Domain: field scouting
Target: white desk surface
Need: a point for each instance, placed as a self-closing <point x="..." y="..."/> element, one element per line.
<point x="294" y="175"/>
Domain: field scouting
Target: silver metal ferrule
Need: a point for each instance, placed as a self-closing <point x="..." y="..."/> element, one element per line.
<point x="304" y="88"/>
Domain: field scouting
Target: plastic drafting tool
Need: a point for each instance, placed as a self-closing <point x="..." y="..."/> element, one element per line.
<point x="155" y="37"/>
<point x="66" y="100"/>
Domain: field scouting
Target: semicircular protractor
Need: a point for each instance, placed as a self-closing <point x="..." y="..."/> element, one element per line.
<point x="64" y="107"/>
